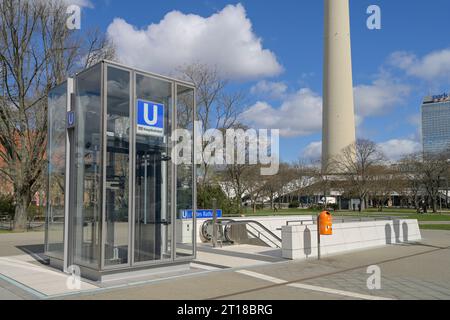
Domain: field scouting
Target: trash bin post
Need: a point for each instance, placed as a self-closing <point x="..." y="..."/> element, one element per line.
<point x="318" y="237"/>
<point x="324" y="228"/>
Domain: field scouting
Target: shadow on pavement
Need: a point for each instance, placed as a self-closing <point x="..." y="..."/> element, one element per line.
<point x="35" y="251"/>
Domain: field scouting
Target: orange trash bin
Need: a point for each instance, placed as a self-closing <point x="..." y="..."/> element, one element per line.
<point x="326" y="224"/>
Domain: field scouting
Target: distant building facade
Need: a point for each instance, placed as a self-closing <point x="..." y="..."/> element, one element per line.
<point x="436" y="124"/>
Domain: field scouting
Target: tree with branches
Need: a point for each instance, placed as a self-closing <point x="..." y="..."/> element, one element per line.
<point x="217" y="107"/>
<point x="37" y="52"/>
<point x="432" y="170"/>
<point x="358" y="163"/>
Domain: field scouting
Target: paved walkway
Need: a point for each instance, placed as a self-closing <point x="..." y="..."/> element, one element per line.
<point x="419" y="271"/>
<point x="17" y="244"/>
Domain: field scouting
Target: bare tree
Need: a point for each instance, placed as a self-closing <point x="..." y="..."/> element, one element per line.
<point x="217" y="108"/>
<point x="433" y="169"/>
<point x="278" y="185"/>
<point x="386" y="181"/>
<point x="94" y="47"/>
<point x="238" y="173"/>
<point x="37" y="52"/>
<point x="271" y="187"/>
<point x="253" y="185"/>
<point x="410" y="168"/>
<point x="426" y="175"/>
<point x="358" y="162"/>
<point x="235" y="175"/>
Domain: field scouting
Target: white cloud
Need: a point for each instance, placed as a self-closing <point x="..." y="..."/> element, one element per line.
<point x="81" y="3"/>
<point x="431" y="67"/>
<point x="270" y="89"/>
<point x="313" y="151"/>
<point x="300" y="114"/>
<point x="396" y="149"/>
<point x="380" y="96"/>
<point x="393" y="149"/>
<point x="224" y="40"/>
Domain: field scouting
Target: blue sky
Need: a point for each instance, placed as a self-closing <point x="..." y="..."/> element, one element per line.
<point x="393" y="67"/>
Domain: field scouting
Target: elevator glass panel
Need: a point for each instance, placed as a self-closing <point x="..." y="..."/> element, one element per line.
<point x="153" y="225"/>
<point x="185" y="176"/>
<point x="57" y="108"/>
<point x="88" y="168"/>
<point x="117" y="186"/>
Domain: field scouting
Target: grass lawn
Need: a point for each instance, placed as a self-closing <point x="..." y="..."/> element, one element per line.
<point x="393" y="210"/>
<point x="430" y="217"/>
<point x="435" y="227"/>
<point x="284" y="212"/>
<point x="400" y="213"/>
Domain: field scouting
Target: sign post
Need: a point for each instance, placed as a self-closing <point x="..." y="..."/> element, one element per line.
<point x="214" y="238"/>
<point x="318" y="237"/>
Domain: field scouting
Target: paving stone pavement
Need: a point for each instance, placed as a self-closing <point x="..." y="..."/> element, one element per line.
<point x="11" y="292"/>
<point x="403" y="288"/>
<point x="418" y="271"/>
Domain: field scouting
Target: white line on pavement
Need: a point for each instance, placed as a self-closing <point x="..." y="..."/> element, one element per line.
<point x="261" y="276"/>
<point x="337" y="292"/>
<point x="204" y="267"/>
<point x="309" y="287"/>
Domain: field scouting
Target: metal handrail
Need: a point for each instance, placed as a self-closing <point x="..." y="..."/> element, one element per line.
<point x="262" y="234"/>
<point x="362" y="219"/>
<point x="343" y="219"/>
<point x="229" y="222"/>
<point x="267" y="232"/>
<point x="232" y="222"/>
<point x="300" y="221"/>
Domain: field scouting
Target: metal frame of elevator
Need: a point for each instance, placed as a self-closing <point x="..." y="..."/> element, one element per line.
<point x="170" y="217"/>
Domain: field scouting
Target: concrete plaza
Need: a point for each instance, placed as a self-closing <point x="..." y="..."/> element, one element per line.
<point x="412" y="271"/>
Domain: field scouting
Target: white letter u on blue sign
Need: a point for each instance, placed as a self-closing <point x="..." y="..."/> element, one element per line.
<point x="147" y="120"/>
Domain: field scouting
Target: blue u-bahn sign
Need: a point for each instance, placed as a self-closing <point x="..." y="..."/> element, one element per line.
<point x="150" y="118"/>
<point x="70" y="119"/>
<point x="201" y="214"/>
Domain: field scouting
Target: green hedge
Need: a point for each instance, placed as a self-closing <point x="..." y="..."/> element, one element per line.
<point x="7" y="206"/>
<point x="205" y="196"/>
<point x="294" y="205"/>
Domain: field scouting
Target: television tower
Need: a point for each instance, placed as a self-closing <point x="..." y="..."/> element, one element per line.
<point x="338" y="103"/>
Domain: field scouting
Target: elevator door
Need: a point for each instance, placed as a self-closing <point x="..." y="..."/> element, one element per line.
<point x="152" y="228"/>
<point x="153" y="173"/>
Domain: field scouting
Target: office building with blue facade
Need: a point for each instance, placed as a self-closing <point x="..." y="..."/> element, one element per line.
<point x="436" y="124"/>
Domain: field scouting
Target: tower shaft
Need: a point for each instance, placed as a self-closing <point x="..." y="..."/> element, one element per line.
<point x="338" y="102"/>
